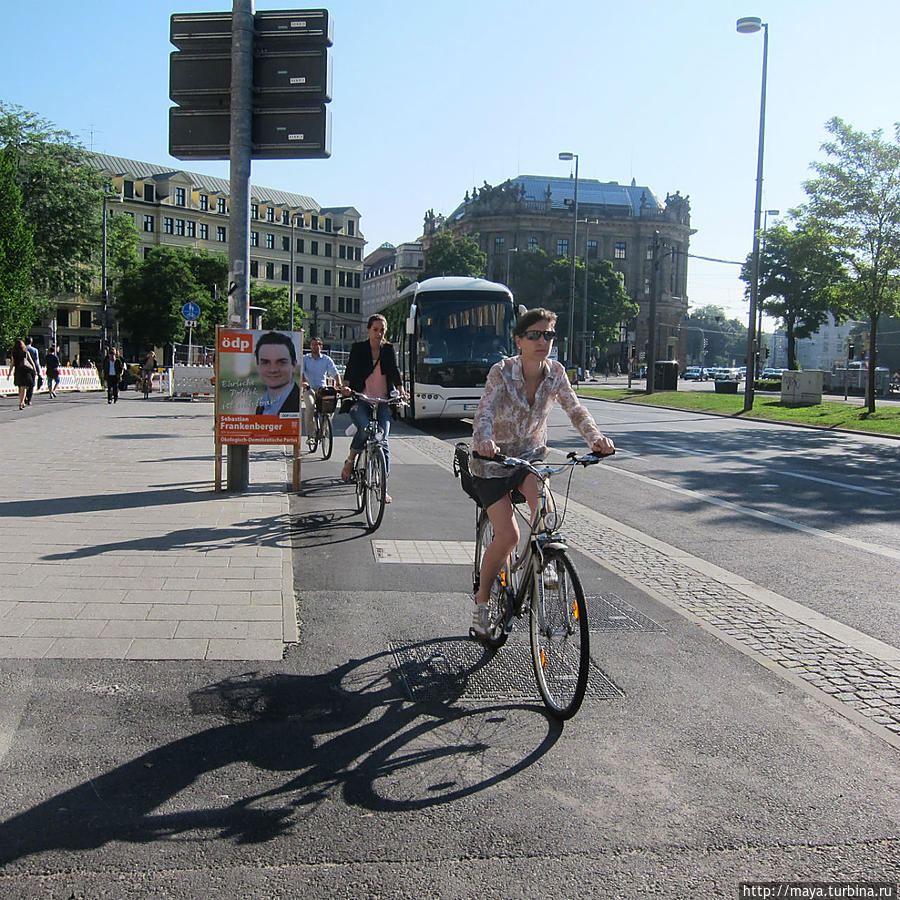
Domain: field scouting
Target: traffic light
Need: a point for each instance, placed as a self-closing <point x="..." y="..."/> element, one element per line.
<point x="767" y="352"/>
<point x="851" y="350"/>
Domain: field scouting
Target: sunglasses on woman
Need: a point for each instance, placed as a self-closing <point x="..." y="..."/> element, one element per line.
<point x="534" y="335"/>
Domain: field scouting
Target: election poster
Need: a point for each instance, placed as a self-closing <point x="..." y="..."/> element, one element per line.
<point x="258" y="376"/>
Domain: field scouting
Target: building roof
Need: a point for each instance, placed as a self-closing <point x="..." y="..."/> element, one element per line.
<point x="118" y="165"/>
<point x="590" y="191"/>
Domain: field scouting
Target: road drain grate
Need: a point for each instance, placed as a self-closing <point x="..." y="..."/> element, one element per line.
<point x="609" y="612"/>
<point x="460" y="669"/>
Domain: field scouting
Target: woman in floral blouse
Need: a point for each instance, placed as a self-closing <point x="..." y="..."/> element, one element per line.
<point x="512" y="419"/>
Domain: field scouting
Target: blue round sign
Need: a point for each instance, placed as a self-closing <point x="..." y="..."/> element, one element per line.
<point x="190" y="311"/>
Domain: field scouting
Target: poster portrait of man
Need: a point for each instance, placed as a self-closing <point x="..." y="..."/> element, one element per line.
<point x="277" y="362"/>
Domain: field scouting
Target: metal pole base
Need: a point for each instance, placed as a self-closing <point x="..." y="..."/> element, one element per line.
<point x="238" y="467"/>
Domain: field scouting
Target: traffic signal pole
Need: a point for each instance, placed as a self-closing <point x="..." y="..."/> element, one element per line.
<point x="238" y="455"/>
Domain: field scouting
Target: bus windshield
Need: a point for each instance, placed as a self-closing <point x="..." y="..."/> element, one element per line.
<point x="459" y="336"/>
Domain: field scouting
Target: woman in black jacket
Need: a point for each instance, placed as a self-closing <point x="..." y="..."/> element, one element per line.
<point x="371" y="370"/>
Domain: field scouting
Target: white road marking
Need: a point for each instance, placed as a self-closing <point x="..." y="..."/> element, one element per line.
<point x="840" y="484"/>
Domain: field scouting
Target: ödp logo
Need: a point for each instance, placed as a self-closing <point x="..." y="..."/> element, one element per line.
<point x="235" y="342"/>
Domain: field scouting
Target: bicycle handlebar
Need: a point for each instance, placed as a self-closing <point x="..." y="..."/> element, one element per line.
<point x="588" y="459"/>
<point x="393" y="401"/>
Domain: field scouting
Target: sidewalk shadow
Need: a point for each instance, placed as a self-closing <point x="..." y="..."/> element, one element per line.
<point x="301" y="740"/>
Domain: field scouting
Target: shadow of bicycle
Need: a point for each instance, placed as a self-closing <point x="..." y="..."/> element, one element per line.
<point x="285" y="743"/>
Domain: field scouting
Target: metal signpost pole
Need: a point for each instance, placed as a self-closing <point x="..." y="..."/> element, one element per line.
<point x="238" y="461"/>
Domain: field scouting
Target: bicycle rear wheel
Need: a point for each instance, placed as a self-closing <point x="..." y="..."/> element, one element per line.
<point x="498" y="602"/>
<point x="312" y="437"/>
<point x="146" y="386"/>
<point x="376" y="487"/>
<point x="560" y="649"/>
<point x="327" y="435"/>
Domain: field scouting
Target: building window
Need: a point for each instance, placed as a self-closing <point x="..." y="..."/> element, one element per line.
<point x="340" y="304"/>
<point x="270" y="271"/>
<point x="204" y="231"/>
<point x="285" y="272"/>
<point x="313" y="276"/>
<point x="328" y="224"/>
<point x="327" y="301"/>
<point x="149" y="193"/>
<point x="299" y="274"/>
<point x="285" y="217"/>
<point x="499" y="245"/>
<point x="204" y="202"/>
<point x="128" y="190"/>
<point x="62" y="318"/>
<point x="342" y="251"/>
<point x="270" y="213"/>
<point x="562" y="247"/>
<point x="86" y="318"/>
<point x="327" y="274"/>
<point x="148" y="223"/>
<point x="356" y="279"/>
<point x="649" y="251"/>
<point x="315" y="223"/>
<point x="191" y="228"/>
<point x="351" y="227"/>
<point x="328" y="249"/>
<point x="270" y="241"/>
<point x="220" y="234"/>
<point x="168" y="225"/>
<point x="357" y="257"/>
<point x="342" y="276"/>
<point x="314" y="248"/>
<point x="254" y="238"/>
<point x="299" y="297"/>
<point x="220" y="205"/>
<point x="619" y="251"/>
<point x="254" y="268"/>
<point x="646" y="286"/>
<point x="313" y="301"/>
<point x="533" y="243"/>
<point x="356" y="305"/>
<point x="592" y="249"/>
<point x="254" y="210"/>
<point x="179" y="196"/>
<point x="300" y="245"/>
<point x="179" y="227"/>
<point x="286" y="243"/>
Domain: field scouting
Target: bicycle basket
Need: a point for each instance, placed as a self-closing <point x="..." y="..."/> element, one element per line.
<point x="461" y="469"/>
<point x="326" y="400"/>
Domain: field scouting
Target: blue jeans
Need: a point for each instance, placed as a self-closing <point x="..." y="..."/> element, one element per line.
<point x="359" y="415"/>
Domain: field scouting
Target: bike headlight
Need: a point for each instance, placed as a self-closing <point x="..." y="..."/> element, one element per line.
<point x="552" y="520"/>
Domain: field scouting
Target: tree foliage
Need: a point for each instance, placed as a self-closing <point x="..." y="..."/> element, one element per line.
<point x="798" y="272"/>
<point x="449" y="255"/>
<point x="61" y="199"/>
<point x="711" y="339"/>
<point x="121" y="247"/>
<point x="856" y="199"/>
<point x="17" y="307"/>
<point x="276" y="302"/>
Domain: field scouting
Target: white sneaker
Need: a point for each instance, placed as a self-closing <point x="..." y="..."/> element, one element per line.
<point x="551" y="577"/>
<point x="481" y="621"/>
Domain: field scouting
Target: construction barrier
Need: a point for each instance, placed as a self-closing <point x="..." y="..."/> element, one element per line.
<point x="192" y="382"/>
<point x="70" y="379"/>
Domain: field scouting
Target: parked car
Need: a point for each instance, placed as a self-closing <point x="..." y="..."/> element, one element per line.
<point x="771" y="374"/>
<point x="695" y="373"/>
<point x="728" y="375"/>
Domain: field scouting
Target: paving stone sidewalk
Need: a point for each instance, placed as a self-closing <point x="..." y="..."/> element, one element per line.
<point x="114" y="545"/>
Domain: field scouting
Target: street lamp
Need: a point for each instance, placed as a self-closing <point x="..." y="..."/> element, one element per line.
<point x="294" y="217"/>
<point x="104" y="287"/>
<point x="766" y="214"/>
<point x="571" y="337"/>
<point x="508" y="260"/>
<point x="750" y="25"/>
<point x="584" y="312"/>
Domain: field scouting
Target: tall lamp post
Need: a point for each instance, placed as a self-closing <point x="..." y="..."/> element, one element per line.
<point x="294" y="217"/>
<point x="104" y="286"/>
<point x="750" y="25"/>
<point x="508" y="260"/>
<point x="766" y="214"/>
<point x="584" y="311"/>
<point x="570" y="343"/>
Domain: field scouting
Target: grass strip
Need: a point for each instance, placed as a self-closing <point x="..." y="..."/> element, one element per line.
<point x="828" y="414"/>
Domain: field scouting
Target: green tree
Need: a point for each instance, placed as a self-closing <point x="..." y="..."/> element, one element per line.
<point x="711" y="339"/>
<point x="210" y="271"/>
<point x="856" y="199"/>
<point x="276" y="302"/>
<point x="449" y="255"/>
<point x="61" y="199"/>
<point x="17" y="307"/>
<point x="798" y="270"/>
<point x="121" y="247"/>
<point x="152" y="293"/>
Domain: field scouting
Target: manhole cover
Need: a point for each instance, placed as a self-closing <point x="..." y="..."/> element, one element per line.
<point x="611" y="613"/>
<point x="460" y="669"/>
<point x="447" y="553"/>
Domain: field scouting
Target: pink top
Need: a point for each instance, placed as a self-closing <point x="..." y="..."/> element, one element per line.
<point x="376" y="383"/>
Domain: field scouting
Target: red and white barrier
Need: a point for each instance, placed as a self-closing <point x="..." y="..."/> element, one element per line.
<point x="70" y="379"/>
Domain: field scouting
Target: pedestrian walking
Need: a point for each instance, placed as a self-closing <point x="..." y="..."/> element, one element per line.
<point x="24" y="371"/>
<point x="38" y="380"/>
<point x="112" y="372"/>
<point x="51" y="361"/>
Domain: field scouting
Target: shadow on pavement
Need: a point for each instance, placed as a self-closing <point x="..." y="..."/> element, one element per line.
<point x="287" y="742"/>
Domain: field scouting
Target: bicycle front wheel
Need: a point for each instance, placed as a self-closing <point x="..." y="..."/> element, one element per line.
<point x="359" y="479"/>
<point x="327" y="436"/>
<point x="497" y="604"/>
<point x="376" y="487"/>
<point x="312" y="437"/>
<point x="560" y="649"/>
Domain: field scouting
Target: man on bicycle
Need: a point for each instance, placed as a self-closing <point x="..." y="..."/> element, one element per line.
<point x="317" y="368"/>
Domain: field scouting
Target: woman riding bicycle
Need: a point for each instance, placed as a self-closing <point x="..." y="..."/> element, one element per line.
<point x="371" y="370"/>
<point x="512" y="419"/>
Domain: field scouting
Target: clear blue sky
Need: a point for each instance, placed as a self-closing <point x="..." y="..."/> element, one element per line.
<point x="432" y="98"/>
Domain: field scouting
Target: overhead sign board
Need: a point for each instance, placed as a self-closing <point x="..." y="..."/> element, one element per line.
<point x="205" y="30"/>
